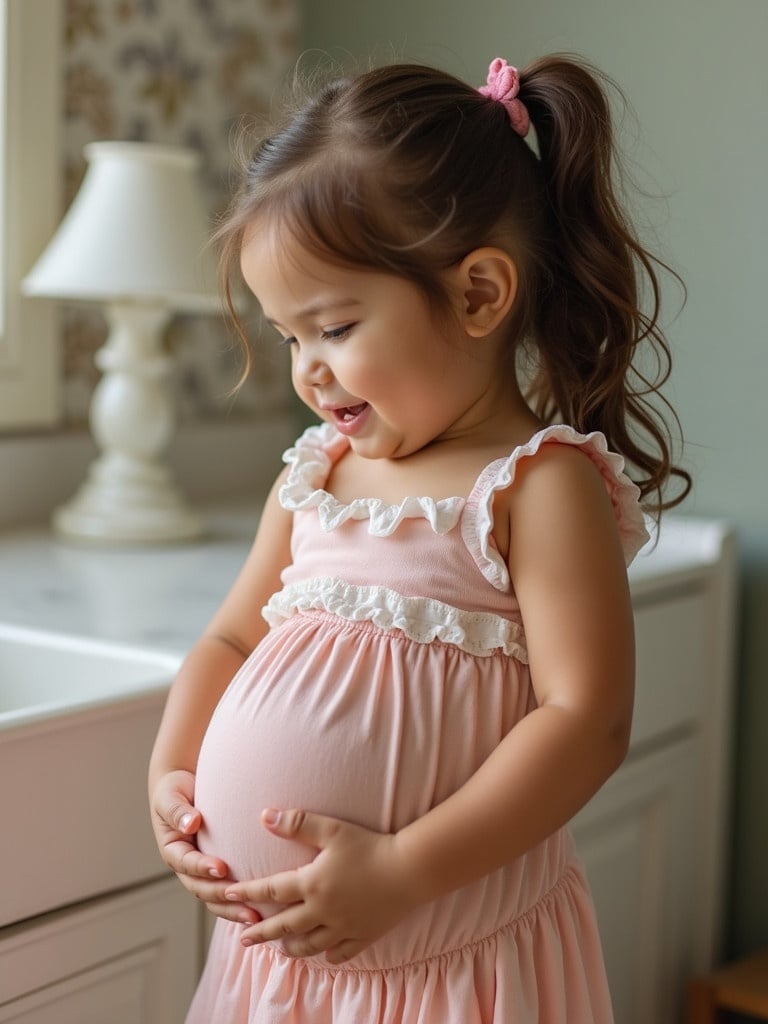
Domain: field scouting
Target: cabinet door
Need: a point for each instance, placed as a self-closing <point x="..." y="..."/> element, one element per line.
<point x="675" y="651"/>
<point x="637" y="839"/>
<point x="125" y="959"/>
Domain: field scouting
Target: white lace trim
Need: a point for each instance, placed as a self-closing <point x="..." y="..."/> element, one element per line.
<point x="419" y="618"/>
<point x="311" y="460"/>
<point x="477" y="523"/>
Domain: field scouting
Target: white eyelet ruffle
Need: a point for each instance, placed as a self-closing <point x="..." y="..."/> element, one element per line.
<point x="311" y="460"/>
<point x="420" y="618"/>
<point x="477" y="522"/>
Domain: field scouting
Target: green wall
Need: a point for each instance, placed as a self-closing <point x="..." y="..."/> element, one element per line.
<point x="696" y="75"/>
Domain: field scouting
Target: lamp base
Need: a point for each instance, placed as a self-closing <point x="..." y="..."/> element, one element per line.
<point x="127" y="501"/>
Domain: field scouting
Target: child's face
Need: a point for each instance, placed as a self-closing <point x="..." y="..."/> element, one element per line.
<point x="367" y="352"/>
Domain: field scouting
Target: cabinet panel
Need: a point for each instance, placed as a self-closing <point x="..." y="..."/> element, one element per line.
<point x="673" y="663"/>
<point x="96" y="760"/>
<point x="131" y="958"/>
<point x="120" y="986"/>
<point x="637" y="839"/>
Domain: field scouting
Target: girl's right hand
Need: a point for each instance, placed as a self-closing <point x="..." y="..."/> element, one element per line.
<point x="175" y="821"/>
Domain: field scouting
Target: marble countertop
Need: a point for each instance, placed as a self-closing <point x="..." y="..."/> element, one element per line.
<point x="157" y="597"/>
<point x="160" y="598"/>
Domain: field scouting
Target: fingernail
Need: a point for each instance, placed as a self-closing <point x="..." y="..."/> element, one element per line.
<point x="270" y="816"/>
<point x="185" y="822"/>
<point x="215" y="873"/>
<point x="231" y="896"/>
<point x="246" y="942"/>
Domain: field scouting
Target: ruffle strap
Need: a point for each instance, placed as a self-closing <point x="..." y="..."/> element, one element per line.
<point x="477" y="521"/>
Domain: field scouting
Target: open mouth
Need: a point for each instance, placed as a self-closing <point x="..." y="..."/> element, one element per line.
<point x="350" y="412"/>
<point x="351" y="419"/>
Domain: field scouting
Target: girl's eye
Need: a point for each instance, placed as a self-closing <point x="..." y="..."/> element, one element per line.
<point x="336" y="333"/>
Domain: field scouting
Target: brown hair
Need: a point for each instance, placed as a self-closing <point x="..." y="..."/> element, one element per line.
<point x="407" y="169"/>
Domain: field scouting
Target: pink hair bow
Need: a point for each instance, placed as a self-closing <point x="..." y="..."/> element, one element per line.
<point x="503" y="86"/>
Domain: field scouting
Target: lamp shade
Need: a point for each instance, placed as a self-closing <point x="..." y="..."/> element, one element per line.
<point x="136" y="231"/>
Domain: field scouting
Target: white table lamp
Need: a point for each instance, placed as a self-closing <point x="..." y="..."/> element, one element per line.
<point x="134" y="239"/>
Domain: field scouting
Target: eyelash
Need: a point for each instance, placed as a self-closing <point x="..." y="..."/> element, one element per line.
<point x="337" y="334"/>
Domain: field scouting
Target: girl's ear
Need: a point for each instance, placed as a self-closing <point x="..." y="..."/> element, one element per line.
<point x="486" y="282"/>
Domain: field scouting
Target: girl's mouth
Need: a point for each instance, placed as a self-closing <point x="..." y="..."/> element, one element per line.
<point x="349" y="412"/>
<point x="349" y="418"/>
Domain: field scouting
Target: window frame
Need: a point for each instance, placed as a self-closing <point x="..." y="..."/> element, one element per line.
<point x="30" y="193"/>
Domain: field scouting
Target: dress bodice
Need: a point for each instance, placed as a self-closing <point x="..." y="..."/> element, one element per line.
<point x="429" y="568"/>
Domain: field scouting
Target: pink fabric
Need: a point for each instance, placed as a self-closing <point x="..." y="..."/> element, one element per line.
<point x="503" y="86"/>
<point x="337" y="714"/>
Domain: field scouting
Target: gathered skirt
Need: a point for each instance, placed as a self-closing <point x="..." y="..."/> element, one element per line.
<point x="347" y="719"/>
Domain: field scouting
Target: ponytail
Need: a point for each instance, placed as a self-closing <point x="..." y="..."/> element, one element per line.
<point x="406" y="169"/>
<point x="587" y="322"/>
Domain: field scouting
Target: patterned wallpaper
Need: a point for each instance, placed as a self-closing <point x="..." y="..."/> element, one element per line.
<point x="182" y="72"/>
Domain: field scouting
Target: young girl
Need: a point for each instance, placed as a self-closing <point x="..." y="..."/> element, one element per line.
<point x="430" y="645"/>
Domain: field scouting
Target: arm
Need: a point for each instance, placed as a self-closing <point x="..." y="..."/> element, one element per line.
<point x="567" y="565"/>
<point x="236" y="628"/>
<point x="568" y="569"/>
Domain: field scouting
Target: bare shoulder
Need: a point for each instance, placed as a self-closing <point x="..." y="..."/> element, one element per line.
<point x="560" y="496"/>
<point x="565" y="553"/>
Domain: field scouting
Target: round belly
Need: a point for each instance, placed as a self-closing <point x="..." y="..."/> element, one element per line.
<point x="346" y="720"/>
<point x="311" y="722"/>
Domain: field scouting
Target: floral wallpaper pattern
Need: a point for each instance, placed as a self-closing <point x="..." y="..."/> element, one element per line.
<point x="180" y="72"/>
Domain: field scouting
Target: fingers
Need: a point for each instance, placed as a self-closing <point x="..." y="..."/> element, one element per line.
<point x="298" y="941"/>
<point x="189" y="821"/>
<point x="181" y="816"/>
<point x="322" y="940"/>
<point x="212" y="895"/>
<point x="185" y="859"/>
<point x="176" y="822"/>
<point x="292" y="923"/>
<point x="281" y="888"/>
<point x="302" y="826"/>
<point x="172" y="802"/>
<point x="310" y="944"/>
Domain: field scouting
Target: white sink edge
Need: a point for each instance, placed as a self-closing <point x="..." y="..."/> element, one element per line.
<point x="57" y="710"/>
<point x="166" y="664"/>
<point x="73" y="642"/>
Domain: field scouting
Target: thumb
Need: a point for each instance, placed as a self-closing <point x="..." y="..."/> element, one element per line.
<point x="185" y="818"/>
<point x="303" y="826"/>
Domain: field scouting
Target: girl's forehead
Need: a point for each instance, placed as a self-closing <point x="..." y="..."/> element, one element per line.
<point x="269" y="250"/>
<point x="291" y="281"/>
<point x="266" y="242"/>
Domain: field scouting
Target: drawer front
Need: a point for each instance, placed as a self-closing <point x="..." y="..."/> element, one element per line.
<point x="675" y="646"/>
<point x="131" y="958"/>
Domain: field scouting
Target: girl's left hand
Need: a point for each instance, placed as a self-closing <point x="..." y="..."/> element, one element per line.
<point x="354" y="890"/>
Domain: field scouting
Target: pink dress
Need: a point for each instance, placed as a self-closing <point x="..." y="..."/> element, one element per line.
<point x="395" y="663"/>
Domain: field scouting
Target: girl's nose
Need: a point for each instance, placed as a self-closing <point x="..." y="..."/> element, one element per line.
<point x="309" y="368"/>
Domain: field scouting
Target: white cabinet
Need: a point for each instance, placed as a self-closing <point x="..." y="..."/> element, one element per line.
<point x="652" y="839"/>
<point x="633" y="841"/>
<point x="129" y="958"/>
